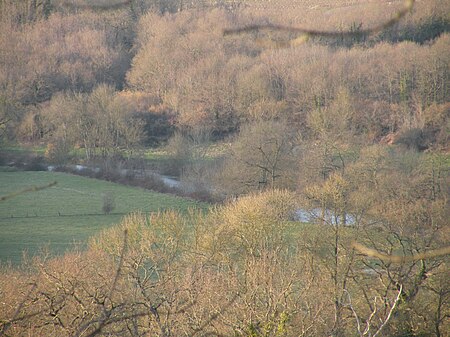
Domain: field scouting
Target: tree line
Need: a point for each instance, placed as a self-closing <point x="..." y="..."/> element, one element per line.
<point x="193" y="76"/>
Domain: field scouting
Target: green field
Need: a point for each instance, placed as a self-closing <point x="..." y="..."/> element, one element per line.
<point x="68" y="213"/>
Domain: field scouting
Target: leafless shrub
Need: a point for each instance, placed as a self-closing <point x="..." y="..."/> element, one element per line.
<point x="109" y="202"/>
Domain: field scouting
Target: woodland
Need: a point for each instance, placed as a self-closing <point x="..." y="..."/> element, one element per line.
<point x="344" y="124"/>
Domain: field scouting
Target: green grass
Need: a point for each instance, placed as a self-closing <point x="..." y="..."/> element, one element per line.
<point x="67" y="213"/>
<point x="20" y="149"/>
<point x="156" y="154"/>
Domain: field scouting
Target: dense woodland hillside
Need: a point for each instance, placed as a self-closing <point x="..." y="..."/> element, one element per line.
<point x="395" y="81"/>
<point x="351" y="128"/>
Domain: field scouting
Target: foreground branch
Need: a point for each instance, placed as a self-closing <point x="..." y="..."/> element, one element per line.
<point x="7" y="325"/>
<point x="307" y="33"/>
<point x="401" y="258"/>
<point x="94" y="6"/>
<point x="26" y="190"/>
<point x="366" y="331"/>
<point x="106" y="318"/>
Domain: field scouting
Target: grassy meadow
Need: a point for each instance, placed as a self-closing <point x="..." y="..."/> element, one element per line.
<point x="68" y="213"/>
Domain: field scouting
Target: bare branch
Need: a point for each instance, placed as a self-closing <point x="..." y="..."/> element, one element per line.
<point x="98" y="6"/>
<point x="119" y="267"/>
<point x="397" y="299"/>
<point x="372" y="314"/>
<point x="306" y="33"/>
<point x="401" y="258"/>
<point x="214" y="316"/>
<point x="104" y="320"/>
<point x="26" y="190"/>
<point x="8" y="324"/>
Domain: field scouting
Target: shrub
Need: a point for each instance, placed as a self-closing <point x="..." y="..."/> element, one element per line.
<point x="179" y="148"/>
<point x="412" y="139"/>
<point x="109" y="202"/>
<point x="57" y="152"/>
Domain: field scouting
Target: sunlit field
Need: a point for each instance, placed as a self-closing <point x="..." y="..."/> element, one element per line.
<point x="67" y="213"/>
